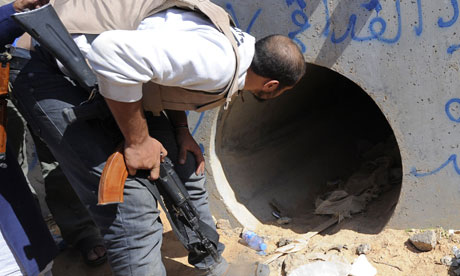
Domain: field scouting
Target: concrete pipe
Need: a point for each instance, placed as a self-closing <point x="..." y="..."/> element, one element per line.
<point x="381" y="83"/>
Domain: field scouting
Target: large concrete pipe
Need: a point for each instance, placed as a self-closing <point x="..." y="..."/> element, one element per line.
<point x="379" y="73"/>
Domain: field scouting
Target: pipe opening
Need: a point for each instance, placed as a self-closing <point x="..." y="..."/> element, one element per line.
<point x="325" y="135"/>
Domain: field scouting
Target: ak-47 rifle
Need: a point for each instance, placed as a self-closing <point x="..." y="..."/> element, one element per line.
<point x="170" y="187"/>
<point x="44" y="25"/>
<point x="4" y="78"/>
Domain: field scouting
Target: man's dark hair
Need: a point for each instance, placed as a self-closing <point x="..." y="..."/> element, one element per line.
<point x="277" y="57"/>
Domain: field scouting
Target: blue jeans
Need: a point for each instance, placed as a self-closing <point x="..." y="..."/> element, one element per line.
<point x="132" y="230"/>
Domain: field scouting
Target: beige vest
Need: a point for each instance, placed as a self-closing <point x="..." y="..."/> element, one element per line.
<point x="97" y="16"/>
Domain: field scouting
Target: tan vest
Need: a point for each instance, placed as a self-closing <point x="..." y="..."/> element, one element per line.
<point x="97" y="16"/>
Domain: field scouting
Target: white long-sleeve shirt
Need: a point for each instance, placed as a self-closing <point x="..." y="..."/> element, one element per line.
<point x="172" y="48"/>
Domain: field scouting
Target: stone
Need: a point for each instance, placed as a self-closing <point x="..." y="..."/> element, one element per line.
<point x="338" y="247"/>
<point x="294" y="261"/>
<point x="223" y="224"/>
<point x="363" y="249"/>
<point x="456" y="252"/>
<point x="284" y="220"/>
<point x="283" y="242"/>
<point x="446" y="260"/>
<point x="425" y="241"/>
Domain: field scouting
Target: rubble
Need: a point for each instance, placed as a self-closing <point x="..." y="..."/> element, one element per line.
<point x="376" y="175"/>
<point x="284" y="220"/>
<point x="425" y="241"/>
<point x="223" y="224"/>
<point x="294" y="261"/>
<point x="283" y="242"/>
<point x="456" y="252"/>
<point x="338" y="247"/>
<point x="447" y="260"/>
<point x="363" y="249"/>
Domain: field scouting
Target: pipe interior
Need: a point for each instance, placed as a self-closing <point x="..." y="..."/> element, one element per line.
<point x="291" y="147"/>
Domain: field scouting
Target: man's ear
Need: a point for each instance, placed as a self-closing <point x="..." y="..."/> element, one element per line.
<point x="271" y="86"/>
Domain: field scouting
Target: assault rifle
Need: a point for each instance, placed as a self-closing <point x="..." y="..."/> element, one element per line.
<point x="171" y="189"/>
<point x="44" y="25"/>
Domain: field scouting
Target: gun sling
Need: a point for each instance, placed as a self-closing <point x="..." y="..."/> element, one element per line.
<point x="208" y="231"/>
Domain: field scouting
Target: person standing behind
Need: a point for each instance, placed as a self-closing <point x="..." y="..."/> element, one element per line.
<point x="76" y="225"/>
<point x="26" y="246"/>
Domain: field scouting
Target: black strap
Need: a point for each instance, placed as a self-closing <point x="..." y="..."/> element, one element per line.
<point x="206" y="230"/>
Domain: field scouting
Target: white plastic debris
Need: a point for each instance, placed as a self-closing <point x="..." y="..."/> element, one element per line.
<point x="362" y="267"/>
<point x="320" y="268"/>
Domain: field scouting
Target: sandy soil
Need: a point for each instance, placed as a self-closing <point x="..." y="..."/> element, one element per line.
<point x="391" y="253"/>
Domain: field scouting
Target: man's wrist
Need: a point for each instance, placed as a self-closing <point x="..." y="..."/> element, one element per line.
<point x="181" y="125"/>
<point x="135" y="140"/>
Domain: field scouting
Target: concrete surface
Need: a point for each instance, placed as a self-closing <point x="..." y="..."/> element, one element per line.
<point x="402" y="54"/>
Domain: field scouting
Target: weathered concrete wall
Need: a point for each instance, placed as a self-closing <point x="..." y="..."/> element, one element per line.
<point x="405" y="56"/>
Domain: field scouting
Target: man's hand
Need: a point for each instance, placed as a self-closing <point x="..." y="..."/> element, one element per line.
<point x="146" y="155"/>
<point x="142" y="152"/>
<point x="186" y="143"/>
<point x="21" y="5"/>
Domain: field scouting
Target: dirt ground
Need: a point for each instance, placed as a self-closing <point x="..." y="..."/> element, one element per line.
<point x="391" y="253"/>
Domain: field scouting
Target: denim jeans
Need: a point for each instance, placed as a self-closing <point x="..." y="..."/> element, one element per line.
<point x="131" y="230"/>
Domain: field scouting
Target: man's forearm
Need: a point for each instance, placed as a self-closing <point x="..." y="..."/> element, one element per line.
<point x="178" y="118"/>
<point x="140" y="150"/>
<point x="130" y="119"/>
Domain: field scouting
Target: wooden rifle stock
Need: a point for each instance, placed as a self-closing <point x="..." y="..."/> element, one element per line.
<point x="4" y="77"/>
<point x="113" y="178"/>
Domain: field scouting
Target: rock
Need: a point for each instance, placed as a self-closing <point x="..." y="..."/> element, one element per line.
<point x="338" y="247"/>
<point x="446" y="260"/>
<point x="425" y="241"/>
<point x="363" y="249"/>
<point x="456" y="252"/>
<point x="223" y="224"/>
<point x="283" y="242"/>
<point x="293" y="261"/>
<point x="284" y="220"/>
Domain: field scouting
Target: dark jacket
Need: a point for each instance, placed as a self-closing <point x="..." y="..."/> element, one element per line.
<point x="21" y="222"/>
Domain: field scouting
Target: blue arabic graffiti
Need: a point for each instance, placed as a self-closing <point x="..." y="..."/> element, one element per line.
<point x="377" y="26"/>
<point x="419" y="28"/>
<point x="444" y="24"/>
<point x="230" y="9"/>
<point x="328" y="19"/>
<point x="453" y="158"/>
<point x="448" y="109"/>
<point x="373" y="5"/>
<point x="453" y="48"/>
<point x="303" y="23"/>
